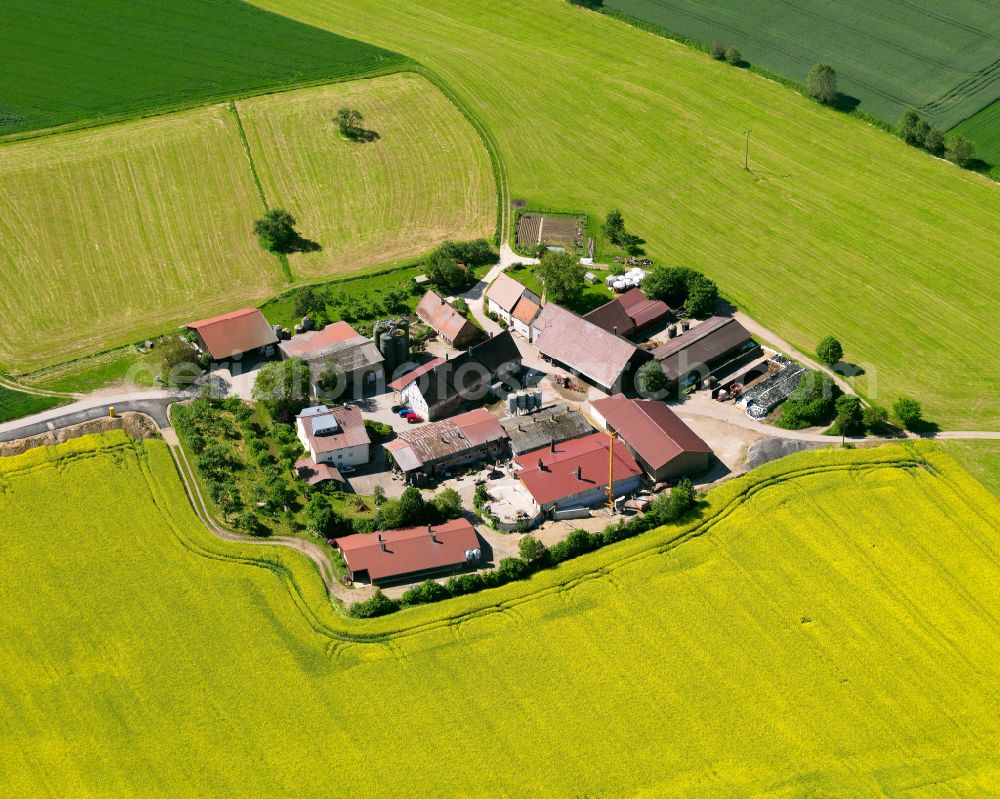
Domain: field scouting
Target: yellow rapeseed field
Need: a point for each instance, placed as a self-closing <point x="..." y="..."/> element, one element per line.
<point x="826" y="627"/>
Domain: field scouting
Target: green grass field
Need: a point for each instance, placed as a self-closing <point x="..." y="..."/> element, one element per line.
<point x="87" y="60"/>
<point x="797" y="640"/>
<point x="938" y="56"/>
<point x="424" y="180"/>
<point x="113" y="234"/>
<point x="838" y="229"/>
<point x="15" y="404"/>
<point x="983" y="130"/>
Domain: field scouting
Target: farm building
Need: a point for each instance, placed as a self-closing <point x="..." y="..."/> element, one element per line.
<point x="400" y="383"/>
<point x="235" y="334"/>
<point x="314" y="474"/>
<point x="549" y="426"/>
<point x="447" y="385"/>
<point x="602" y="358"/>
<point x="661" y="443"/>
<point x="336" y="436"/>
<point x="432" y="449"/>
<point x="574" y="474"/>
<point x="713" y="345"/>
<point x="516" y="305"/>
<point x="339" y="346"/>
<point x="410" y="555"/>
<point x="629" y="313"/>
<point x="448" y="323"/>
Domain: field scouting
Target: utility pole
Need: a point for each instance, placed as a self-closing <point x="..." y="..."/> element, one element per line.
<point x="746" y="157"/>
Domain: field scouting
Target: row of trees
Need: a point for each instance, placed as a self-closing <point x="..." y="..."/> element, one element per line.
<point x="720" y="52"/>
<point x="410" y="510"/>
<point x="534" y="556"/>
<point x="917" y="132"/>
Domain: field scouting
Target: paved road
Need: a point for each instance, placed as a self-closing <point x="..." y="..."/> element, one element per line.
<point x="88" y="410"/>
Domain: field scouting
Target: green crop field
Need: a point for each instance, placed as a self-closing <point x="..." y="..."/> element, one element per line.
<point x="112" y="234"/>
<point x="82" y="61"/>
<point x="838" y="229"/>
<point x="798" y="639"/>
<point x="983" y="130"/>
<point x="425" y="179"/>
<point x="15" y="404"/>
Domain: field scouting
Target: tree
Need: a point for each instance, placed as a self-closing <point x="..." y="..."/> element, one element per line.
<point x="717" y="50"/>
<point x="448" y="504"/>
<point x="349" y="121"/>
<point x="331" y="381"/>
<point x="378" y="495"/>
<point x="413" y="508"/>
<point x="461" y="306"/>
<point x="821" y="83"/>
<point x="811" y="403"/>
<point x="829" y="351"/>
<point x="650" y="380"/>
<point x="248" y="522"/>
<point x="961" y="151"/>
<point x="667" y="283"/>
<point x="276" y="230"/>
<point x="561" y="275"/>
<point x="734" y="56"/>
<point x="178" y="362"/>
<point x="908" y="126"/>
<point x="850" y="417"/>
<point x="908" y="411"/>
<point x="531" y="549"/>
<point x="449" y="265"/>
<point x="702" y="295"/>
<point x="511" y="569"/>
<point x="282" y="387"/>
<point x="934" y="141"/>
<point x="922" y="131"/>
<point x="614" y="227"/>
<point x="378" y="605"/>
<point x="874" y="417"/>
<point x="310" y="302"/>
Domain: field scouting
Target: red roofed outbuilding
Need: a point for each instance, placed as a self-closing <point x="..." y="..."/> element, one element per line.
<point x="410" y="555"/>
<point x="661" y="442"/>
<point x="234" y="334"/>
<point x="574" y="474"/>
<point x="448" y="323"/>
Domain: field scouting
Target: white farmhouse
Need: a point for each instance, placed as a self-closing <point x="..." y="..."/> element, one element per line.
<point x="336" y="436"/>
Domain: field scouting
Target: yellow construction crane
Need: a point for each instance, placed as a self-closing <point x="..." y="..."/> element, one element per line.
<point x="611" y="455"/>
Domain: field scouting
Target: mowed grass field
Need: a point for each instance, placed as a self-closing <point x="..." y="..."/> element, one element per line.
<point x="113" y="234"/>
<point x="800" y="639"/>
<point x="425" y="179"/>
<point x="838" y="229"/>
<point x="82" y="61"/>
<point x="938" y="56"/>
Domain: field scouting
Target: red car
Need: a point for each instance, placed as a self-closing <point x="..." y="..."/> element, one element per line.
<point x="414" y="419"/>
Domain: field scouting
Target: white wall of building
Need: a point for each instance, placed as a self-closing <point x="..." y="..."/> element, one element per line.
<point x="347" y="456"/>
<point x="411" y="396"/>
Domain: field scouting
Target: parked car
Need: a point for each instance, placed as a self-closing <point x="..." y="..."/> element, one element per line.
<point x="404" y="412"/>
<point x="346" y="469"/>
<point x="398" y="408"/>
<point x="414" y="419"/>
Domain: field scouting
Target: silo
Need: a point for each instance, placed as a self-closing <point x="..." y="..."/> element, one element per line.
<point x="522" y="401"/>
<point x="537" y="397"/>
<point x="511" y="404"/>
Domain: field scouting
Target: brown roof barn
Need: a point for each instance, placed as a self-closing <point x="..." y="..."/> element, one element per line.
<point x="664" y="446"/>
<point x="233" y="333"/>
<point x="416" y="553"/>
<point x="629" y="313"/>
<point x="708" y="345"/>
<point x="445" y="320"/>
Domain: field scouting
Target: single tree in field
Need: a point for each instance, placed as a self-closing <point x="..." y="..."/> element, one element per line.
<point x="734" y="56"/>
<point x="821" y="83"/>
<point x="614" y="227"/>
<point x="276" y="230"/>
<point x="349" y="121"/>
<point x="561" y="275"/>
<point x="908" y="411"/>
<point x="829" y="351"/>
<point x="717" y="50"/>
<point x="650" y="380"/>
<point x="961" y="151"/>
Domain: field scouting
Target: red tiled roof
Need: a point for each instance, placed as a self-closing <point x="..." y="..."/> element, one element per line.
<point x="410" y="550"/>
<point x="526" y="311"/>
<point x="314" y="473"/>
<point x="402" y="382"/>
<point x="442" y="317"/>
<point x="234" y="333"/>
<point x="352" y="429"/>
<point x="317" y="339"/>
<point x="642" y="310"/>
<point x="556" y="479"/>
<point x="582" y="345"/>
<point x="505" y="292"/>
<point x="650" y="428"/>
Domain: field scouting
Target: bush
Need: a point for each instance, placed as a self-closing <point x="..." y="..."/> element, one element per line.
<point x="908" y="412"/>
<point x="461" y="306"/>
<point x="378" y="430"/>
<point x="427" y="591"/>
<point x="717" y="50"/>
<point x="812" y="402"/>
<point x="248" y="522"/>
<point x="378" y="605"/>
<point x="821" y="83"/>
<point x="734" y="56"/>
<point x="510" y="569"/>
<point x="874" y="418"/>
<point x="829" y="351"/>
<point x="179" y="364"/>
<point x="531" y="549"/>
<point x="650" y="380"/>
<point x="961" y="151"/>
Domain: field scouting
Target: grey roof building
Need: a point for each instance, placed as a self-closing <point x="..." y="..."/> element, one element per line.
<point x="549" y="426"/>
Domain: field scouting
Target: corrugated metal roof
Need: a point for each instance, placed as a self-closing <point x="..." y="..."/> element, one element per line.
<point x="558" y="423"/>
<point x="581" y="345"/>
<point x="556" y="479"/>
<point x="352" y="429"/>
<point x="234" y="333"/>
<point x="442" y="317"/>
<point x="651" y="428"/>
<point x="427" y="443"/>
<point x="701" y="344"/>
<point x="505" y="292"/>
<point x="396" y="553"/>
